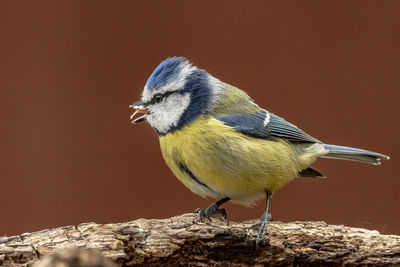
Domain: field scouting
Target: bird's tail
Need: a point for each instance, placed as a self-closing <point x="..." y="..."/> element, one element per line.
<point x="356" y="154"/>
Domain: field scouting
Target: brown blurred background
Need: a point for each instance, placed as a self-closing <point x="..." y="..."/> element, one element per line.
<point x="70" y="69"/>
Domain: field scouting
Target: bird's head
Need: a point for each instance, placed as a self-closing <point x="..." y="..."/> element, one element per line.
<point x="175" y="94"/>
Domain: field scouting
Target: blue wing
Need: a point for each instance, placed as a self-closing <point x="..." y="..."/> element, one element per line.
<point x="266" y="125"/>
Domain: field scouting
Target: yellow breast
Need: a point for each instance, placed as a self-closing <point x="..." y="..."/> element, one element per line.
<point x="212" y="159"/>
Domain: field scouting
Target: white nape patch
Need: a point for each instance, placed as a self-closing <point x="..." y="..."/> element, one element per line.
<point x="267" y="118"/>
<point x="215" y="85"/>
<point x="166" y="114"/>
<point x="175" y="84"/>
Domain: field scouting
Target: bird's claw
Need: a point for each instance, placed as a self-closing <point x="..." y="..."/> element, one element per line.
<point x="257" y="225"/>
<point x="263" y="227"/>
<point x="208" y="212"/>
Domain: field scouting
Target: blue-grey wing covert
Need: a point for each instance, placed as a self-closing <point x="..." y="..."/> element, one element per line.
<point x="266" y="125"/>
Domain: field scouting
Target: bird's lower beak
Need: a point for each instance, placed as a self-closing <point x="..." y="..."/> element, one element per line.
<point x="139" y="109"/>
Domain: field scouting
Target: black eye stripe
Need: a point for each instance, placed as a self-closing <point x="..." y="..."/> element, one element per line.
<point x="164" y="95"/>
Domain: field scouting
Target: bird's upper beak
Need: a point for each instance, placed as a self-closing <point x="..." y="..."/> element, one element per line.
<point x="139" y="109"/>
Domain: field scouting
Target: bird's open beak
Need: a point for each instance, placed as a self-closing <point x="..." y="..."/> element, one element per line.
<point x="139" y="109"/>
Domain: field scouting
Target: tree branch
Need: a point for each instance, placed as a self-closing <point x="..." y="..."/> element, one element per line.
<point x="184" y="240"/>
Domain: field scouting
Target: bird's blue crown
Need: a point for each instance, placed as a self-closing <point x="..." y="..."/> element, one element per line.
<point x="166" y="72"/>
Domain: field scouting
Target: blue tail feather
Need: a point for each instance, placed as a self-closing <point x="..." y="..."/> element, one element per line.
<point x="356" y="154"/>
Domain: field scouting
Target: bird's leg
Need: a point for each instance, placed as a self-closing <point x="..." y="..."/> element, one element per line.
<point x="212" y="209"/>
<point x="263" y="223"/>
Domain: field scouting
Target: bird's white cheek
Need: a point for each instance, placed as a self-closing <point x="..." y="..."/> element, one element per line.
<point x="167" y="114"/>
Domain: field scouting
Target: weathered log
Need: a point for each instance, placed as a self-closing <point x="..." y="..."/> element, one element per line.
<point x="183" y="240"/>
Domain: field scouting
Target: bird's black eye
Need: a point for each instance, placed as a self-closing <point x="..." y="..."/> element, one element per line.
<point x="157" y="98"/>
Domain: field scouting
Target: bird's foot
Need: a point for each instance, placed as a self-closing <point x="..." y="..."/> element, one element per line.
<point x="211" y="210"/>
<point x="262" y="226"/>
<point x="257" y="225"/>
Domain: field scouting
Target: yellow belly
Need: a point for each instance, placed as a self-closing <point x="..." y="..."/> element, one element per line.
<point x="225" y="163"/>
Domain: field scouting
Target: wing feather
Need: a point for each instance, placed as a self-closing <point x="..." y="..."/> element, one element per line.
<point x="255" y="125"/>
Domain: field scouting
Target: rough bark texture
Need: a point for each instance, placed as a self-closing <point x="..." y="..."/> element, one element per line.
<point x="184" y="240"/>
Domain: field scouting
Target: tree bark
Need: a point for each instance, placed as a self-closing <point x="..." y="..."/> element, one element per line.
<point x="183" y="240"/>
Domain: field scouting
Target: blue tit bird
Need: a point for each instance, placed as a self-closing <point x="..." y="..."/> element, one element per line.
<point x="219" y="143"/>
